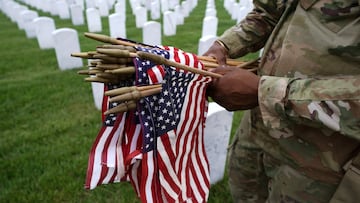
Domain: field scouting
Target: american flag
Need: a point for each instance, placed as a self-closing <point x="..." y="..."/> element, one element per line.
<point x="158" y="147"/>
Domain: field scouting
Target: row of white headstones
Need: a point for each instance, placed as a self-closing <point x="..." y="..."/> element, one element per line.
<point x="65" y="41"/>
<point x="44" y="29"/>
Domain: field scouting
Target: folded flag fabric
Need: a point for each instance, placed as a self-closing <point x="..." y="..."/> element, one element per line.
<point x="159" y="146"/>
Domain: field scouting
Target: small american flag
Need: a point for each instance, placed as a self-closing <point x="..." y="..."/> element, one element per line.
<point x="158" y="147"/>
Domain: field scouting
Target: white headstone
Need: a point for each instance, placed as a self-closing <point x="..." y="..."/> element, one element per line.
<point x="53" y="8"/>
<point x="261" y="51"/>
<point x="120" y="7"/>
<point x="210" y="4"/>
<point x="134" y="4"/>
<point x="179" y="15"/>
<point x="242" y="12"/>
<point x="117" y="25"/>
<point x="234" y="10"/>
<point x="19" y="18"/>
<point x="12" y="11"/>
<point x="66" y="42"/>
<point x="210" y="12"/>
<point x="93" y="20"/>
<point x="111" y="3"/>
<point x="216" y="137"/>
<point x="205" y="43"/>
<point x="90" y="4"/>
<point x="209" y="27"/>
<point x="44" y="26"/>
<point x="155" y="10"/>
<point x="98" y="91"/>
<point x="169" y="23"/>
<point x="164" y="5"/>
<point x="81" y="3"/>
<point x="29" y="27"/>
<point x="185" y="8"/>
<point x="140" y="16"/>
<point x="152" y="33"/>
<point x="63" y="9"/>
<point x="103" y="8"/>
<point x="77" y="15"/>
<point x="173" y="3"/>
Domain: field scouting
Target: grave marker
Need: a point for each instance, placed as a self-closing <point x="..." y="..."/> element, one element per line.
<point x="29" y="27"/>
<point x="216" y="137"/>
<point x="117" y="25"/>
<point x="169" y="23"/>
<point x="152" y="33"/>
<point x="44" y="26"/>
<point x="66" y="42"/>
<point x="77" y="16"/>
<point x="93" y="20"/>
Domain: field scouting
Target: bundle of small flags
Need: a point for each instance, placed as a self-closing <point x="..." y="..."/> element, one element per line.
<point x="154" y="111"/>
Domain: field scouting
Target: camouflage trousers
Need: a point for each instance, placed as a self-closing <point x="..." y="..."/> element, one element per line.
<point x="255" y="176"/>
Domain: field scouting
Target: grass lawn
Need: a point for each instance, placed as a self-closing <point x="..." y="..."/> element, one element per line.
<point x="49" y="120"/>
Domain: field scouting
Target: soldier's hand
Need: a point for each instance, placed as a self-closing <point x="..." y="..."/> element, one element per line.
<point x="236" y="90"/>
<point x="217" y="51"/>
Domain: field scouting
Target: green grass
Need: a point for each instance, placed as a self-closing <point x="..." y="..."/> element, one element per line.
<point x="49" y="121"/>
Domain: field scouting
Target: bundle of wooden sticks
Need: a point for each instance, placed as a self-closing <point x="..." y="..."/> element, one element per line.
<point x="112" y="62"/>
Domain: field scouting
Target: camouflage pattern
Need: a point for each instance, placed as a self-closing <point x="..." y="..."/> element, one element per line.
<point x="293" y="147"/>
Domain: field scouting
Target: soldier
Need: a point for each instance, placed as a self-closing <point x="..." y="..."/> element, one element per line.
<point x="300" y="140"/>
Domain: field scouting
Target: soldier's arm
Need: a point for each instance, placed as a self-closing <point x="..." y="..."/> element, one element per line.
<point x="251" y="33"/>
<point x="330" y="102"/>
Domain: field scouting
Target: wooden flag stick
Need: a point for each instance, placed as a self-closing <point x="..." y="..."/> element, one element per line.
<point x="107" y="76"/>
<point x="161" y="60"/>
<point x="97" y="79"/>
<point x="85" y="55"/>
<point x="123" y="90"/>
<point x="110" y="66"/>
<point x="114" y="41"/>
<point x="229" y="62"/>
<point x="116" y="46"/>
<point x="89" y="72"/>
<point x="248" y="63"/>
<point x="121" y="53"/>
<point x="123" y="107"/>
<point x="121" y="71"/>
<point x="135" y="95"/>
<point x="155" y="58"/>
<point x="129" y="99"/>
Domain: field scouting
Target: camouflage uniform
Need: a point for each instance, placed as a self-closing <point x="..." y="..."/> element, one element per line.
<point x="293" y="147"/>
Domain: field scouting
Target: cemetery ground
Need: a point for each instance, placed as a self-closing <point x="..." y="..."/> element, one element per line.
<point x="49" y="120"/>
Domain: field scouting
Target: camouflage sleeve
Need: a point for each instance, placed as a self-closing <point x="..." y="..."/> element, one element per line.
<point x="332" y="103"/>
<point x="251" y="33"/>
